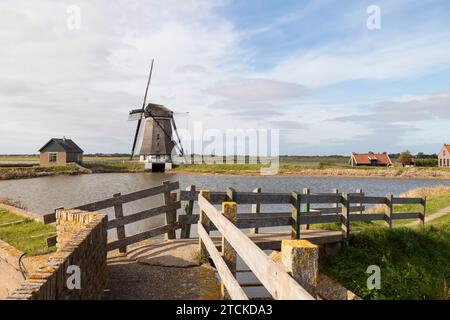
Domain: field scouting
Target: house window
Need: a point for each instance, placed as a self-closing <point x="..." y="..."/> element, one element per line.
<point x="157" y="136"/>
<point x="52" y="157"/>
<point x="448" y="162"/>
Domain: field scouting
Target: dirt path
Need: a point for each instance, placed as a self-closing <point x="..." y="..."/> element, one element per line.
<point x="431" y="217"/>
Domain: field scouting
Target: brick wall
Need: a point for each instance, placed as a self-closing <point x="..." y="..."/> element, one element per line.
<point x="10" y="274"/>
<point x="82" y="241"/>
<point x="60" y="159"/>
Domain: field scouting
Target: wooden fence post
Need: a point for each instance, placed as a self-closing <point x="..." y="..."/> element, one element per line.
<point x="389" y="209"/>
<point x="229" y="210"/>
<point x="306" y="205"/>
<point x="231" y="194"/>
<point x="360" y="191"/>
<point x="345" y="217"/>
<point x="186" y="228"/>
<point x="203" y="219"/>
<point x="423" y="211"/>
<point x="118" y="212"/>
<point x="296" y="208"/>
<point x="336" y="205"/>
<point x="171" y="216"/>
<point x="256" y="208"/>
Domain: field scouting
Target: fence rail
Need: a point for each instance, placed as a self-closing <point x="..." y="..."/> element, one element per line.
<point x="347" y="207"/>
<point x="272" y="276"/>
<point x="120" y="221"/>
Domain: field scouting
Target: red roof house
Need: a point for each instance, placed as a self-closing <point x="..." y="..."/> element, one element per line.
<point x="370" y="159"/>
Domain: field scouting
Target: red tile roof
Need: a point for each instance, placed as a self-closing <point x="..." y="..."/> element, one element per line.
<point x="448" y="147"/>
<point x="365" y="158"/>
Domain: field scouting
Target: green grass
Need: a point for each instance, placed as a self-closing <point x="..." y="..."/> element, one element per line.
<point x="414" y="263"/>
<point x="29" y="236"/>
<point x="115" y="166"/>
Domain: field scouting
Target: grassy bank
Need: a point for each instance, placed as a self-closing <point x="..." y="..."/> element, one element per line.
<point x="320" y="170"/>
<point x="28" y="236"/>
<point x="36" y="171"/>
<point x="121" y="166"/>
<point x="21" y="172"/>
<point x="414" y="263"/>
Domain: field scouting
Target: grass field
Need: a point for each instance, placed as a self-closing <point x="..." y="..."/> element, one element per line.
<point x="317" y="170"/>
<point x="29" y="236"/>
<point x="414" y="262"/>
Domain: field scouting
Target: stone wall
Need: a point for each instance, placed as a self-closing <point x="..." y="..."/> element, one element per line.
<point x="82" y="241"/>
<point x="10" y="274"/>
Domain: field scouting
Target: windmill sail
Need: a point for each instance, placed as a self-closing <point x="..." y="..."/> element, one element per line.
<point x="142" y="110"/>
<point x="135" y="115"/>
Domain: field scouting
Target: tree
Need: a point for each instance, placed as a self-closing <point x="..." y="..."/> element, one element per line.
<point x="406" y="158"/>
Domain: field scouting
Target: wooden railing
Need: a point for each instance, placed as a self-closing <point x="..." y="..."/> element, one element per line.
<point x="117" y="201"/>
<point x="234" y="242"/>
<point x="345" y="206"/>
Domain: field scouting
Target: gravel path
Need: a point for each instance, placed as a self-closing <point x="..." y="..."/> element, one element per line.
<point x="129" y="279"/>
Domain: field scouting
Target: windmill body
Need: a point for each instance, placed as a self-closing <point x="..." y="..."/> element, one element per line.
<point x="157" y="143"/>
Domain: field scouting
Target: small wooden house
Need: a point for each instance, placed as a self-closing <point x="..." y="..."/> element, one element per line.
<point x="444" y="156"/>
<point x="59" y="152"/>
<point x="370" y="159"/>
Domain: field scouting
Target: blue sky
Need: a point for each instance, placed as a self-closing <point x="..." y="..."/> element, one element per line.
<point x="309" y="68"/>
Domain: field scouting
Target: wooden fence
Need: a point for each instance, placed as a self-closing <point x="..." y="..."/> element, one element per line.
<point x="170" y="207"/>
<point x="346" y="207"/>
<point x="234" y="242"/>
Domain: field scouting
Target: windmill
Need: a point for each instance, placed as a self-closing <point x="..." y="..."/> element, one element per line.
<point x="159" y="126"/>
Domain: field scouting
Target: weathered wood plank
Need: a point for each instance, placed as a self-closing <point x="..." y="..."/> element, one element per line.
<point x="366" y="199"/>
<point x="108" y="203"/>
<point x="171" y="215"/>
<point x="406" y="215"/>
<point x="118" y="212"/>
<point x="315" y="219"/>
<point x="367" y="217"/>
<point x="339" y="209"/>
<point x="398" y="200"/>
<point x="229" y="210"/>
<point x="321" y="198"/>
<point x="256" y="208"/>
<point x="295" y="218"/>
<point x="203" y="197"/>
<point x="234" y="289"/>
<point x="143" y="236"/>
<point x="51" y="241"/>
<point x="389" y="209"/>
<point x="143" y="215"/>
<point x="274" y="278"/>
<point x="423" y="211"/>
<point x="186" y="228"/>
<point x="345" y="217"/>
<point x="49" y="218"/>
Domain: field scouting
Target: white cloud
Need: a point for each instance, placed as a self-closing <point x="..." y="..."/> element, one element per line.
<point x="384" y="58"/>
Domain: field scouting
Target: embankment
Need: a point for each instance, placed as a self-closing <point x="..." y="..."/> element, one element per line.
<point x="317" y="171"/>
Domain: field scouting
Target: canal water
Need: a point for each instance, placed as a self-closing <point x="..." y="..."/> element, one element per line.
<point x="43" y="195"/>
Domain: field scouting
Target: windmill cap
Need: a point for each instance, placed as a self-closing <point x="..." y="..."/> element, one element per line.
<point x="157" y="110"/>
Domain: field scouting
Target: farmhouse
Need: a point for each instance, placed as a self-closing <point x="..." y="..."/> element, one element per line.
<point x="59" y="152"/>
<point x="370" y="159"/>
<point x="444" y="156"/>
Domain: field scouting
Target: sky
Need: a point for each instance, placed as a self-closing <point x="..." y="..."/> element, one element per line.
<point x="314" y="70"/>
